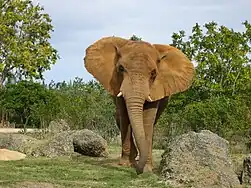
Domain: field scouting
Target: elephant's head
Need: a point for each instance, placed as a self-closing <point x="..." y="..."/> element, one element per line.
<point x="139" y="72"/>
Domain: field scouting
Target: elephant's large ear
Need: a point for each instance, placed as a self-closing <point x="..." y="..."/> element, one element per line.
<point x="175" y="72"/>
<point x="100" y="60"/>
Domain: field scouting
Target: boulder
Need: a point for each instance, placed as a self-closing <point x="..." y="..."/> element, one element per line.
<point x="198" y="160"/>
<point x="63" y="143"/>
<point x="89" y="143"/>
<point x="245" y="177"/>
<point x="58" y="145"/>
<point x="17" y="142"/>
<point x="66" y="143"/>
<point x="8" y="155"/>
<point x="57" y="126"/>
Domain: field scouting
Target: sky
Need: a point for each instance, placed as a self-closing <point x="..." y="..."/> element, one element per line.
<point x="78" y="23"/>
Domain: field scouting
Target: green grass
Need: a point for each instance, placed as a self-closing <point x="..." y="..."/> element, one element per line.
<point x="76" y="171"/>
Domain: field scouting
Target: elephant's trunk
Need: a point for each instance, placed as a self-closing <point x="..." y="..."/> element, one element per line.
<point x="135" y="111"/>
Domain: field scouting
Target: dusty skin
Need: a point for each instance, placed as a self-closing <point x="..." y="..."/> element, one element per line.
<point x="140" y="77"/>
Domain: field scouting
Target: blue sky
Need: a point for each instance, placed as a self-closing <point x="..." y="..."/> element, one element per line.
<point x="79" y="23"/>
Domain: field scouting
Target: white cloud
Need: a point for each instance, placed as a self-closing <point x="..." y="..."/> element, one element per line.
<point x="78" y="23"/>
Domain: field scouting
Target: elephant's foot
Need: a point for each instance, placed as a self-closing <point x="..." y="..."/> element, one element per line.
<point x="148" y="168"/>
<point x="128" y="157"/>
<point x="125" y="161"/>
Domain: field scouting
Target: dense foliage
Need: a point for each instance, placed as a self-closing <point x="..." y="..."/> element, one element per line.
<point x="86" y="105"/>
<point x="29" y="103"/>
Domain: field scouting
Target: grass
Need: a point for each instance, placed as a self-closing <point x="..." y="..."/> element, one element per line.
<point x="76" y="171"/>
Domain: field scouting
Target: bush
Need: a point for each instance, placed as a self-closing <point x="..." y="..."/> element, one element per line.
<point x="224" y="116"/>
<point x="87" y="105"/>
<point x="29" y="103"/>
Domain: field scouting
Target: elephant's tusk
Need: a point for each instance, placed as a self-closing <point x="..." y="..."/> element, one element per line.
<point x="149" y="98"/>
<point x="120" y="94"/>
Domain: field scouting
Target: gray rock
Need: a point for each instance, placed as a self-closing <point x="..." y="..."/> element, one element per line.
<point x="58" y="145"/>
<point x="89" y="143"/>
<point x="17" y="142"/>
<point x="198" y="160"/>
<point x="246" y="171"/>
<point x="62" y="143"/>
<point x="57" y="126"/>
<point x="66" y="143"/>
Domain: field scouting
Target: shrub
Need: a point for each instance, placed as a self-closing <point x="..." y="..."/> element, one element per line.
<point x="29" y="103"/>
<point x="224" y="116"/>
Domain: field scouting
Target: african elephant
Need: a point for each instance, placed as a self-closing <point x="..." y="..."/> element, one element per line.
<point x="140" y="76"/>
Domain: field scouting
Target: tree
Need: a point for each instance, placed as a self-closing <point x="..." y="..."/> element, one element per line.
<point x="25" y="50"/>
<point x="135" y="38"/>
<point x="222" y="55"/>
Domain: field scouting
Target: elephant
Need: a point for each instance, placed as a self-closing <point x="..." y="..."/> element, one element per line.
<point x="140" y="77"/>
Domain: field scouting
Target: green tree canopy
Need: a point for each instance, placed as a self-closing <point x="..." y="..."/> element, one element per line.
<point x="222" y="56"/>
<point x="25" y="50"/>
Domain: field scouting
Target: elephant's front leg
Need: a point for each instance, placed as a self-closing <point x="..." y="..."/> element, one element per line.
<point x="150" y="111"/>
<point x="129" y="151"/>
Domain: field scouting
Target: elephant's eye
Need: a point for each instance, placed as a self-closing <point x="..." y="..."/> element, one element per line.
<point x="121" y="68"/>
<point x="153" y="75"/>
